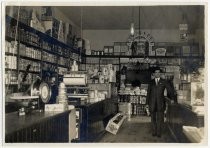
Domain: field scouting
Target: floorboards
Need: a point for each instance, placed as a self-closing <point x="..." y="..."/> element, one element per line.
<point x="137" y="130"/>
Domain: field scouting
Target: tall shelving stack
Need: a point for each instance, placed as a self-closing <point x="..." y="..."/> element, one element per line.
<point x="45" y="54"/>
<point x="171" y="62"/>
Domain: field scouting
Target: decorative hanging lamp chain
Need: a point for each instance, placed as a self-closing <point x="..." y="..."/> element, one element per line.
<point x="132" y="15"/>
<point x="139" y="20"/>
<point x="81" y="17"/>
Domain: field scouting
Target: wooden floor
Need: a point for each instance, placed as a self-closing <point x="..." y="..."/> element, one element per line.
<point x="138" y="130"/>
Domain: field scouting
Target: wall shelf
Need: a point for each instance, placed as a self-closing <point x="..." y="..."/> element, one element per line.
<point x="54" y="64"/>
<point x="33" y="72"/>
<point x="44" y="37"/>
<point x="9" y="69"/>
<point x="10" y="54"/>
<point x="62" y="66"/>
<point x="150" y="57"/>
<point x="29" y="58"/>
<point x="40" y="45"/>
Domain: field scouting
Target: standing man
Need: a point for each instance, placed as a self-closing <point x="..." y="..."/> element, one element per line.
<point x="156" y="101"/>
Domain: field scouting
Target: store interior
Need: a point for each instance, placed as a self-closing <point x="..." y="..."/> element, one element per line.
<point x="80" y="74"/>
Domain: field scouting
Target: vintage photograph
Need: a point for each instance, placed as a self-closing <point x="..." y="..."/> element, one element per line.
<point x="123" y="73"/>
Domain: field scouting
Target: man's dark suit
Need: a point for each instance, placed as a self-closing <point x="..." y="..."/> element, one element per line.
<point x="157" y="103"/>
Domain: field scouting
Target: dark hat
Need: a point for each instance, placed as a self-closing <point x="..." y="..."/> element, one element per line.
<point x="157" y="68"/>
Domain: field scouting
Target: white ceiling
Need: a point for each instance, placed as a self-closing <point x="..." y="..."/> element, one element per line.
<point x="120" y="17"/>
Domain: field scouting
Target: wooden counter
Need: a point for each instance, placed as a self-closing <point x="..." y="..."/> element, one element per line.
<point x="94" y="118"/>
<point x="37" y="127"/>
<point x="179" y="115"/>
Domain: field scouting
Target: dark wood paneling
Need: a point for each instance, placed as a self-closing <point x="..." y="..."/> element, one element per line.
<point x="94" y="118"/>
<point x="37" y="127"/>
<point x="179" y="115"/>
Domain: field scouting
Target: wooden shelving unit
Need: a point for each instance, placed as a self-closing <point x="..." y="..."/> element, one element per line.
<point x="150" y="57"/>
<point x="33" y="39"/>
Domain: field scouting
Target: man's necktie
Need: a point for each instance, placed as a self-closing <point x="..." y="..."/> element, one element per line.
<point x="156" y="81"/>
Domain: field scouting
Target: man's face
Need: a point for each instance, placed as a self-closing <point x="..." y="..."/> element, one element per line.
<point x="157" y="73"/>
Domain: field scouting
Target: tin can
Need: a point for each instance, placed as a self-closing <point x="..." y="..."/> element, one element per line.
<point x="92" y="52"/>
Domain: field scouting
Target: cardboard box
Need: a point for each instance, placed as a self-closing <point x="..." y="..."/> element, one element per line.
<point x="160" y="52"/>
<point x="52" y="27"/>
<point x="47" y="13"/>
<point x="115" y="123"/>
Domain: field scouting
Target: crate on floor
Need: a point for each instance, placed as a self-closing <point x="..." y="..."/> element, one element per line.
<point x="115" y="123"/>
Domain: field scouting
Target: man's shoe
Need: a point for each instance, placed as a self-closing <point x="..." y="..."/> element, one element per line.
<point x="159" y="135"/>
<point x="154" y="134"/>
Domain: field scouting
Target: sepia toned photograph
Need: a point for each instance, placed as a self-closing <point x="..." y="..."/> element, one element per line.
<point x="106" y="73"/>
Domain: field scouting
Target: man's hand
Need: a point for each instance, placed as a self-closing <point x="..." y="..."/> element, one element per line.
<point x="173" y="102"/>
<point x="147" y="110"/>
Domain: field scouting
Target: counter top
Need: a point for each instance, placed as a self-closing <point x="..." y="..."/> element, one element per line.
<point x="85" y="104"/>
<point x="195" y="109"/>
<point x="14" y="122"/>
<point x="179" y="115"/>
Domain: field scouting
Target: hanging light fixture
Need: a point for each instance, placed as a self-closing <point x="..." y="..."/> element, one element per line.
<point x="132" y="29"/>
<point x="81" y="34"/>
<point x="139" y="21"/>
<point x="132" y="23"/>
<point x="81" y="18"/>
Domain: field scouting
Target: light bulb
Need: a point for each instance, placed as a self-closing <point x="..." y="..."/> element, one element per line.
<point x="132" y="29"/>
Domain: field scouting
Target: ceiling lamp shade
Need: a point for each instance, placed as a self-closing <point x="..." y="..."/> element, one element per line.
<point x="132" y="29"/>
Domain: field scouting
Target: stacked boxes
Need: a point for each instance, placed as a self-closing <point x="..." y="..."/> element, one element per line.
<point x="52" y="27"/>
<point x="35" y="66"/>
<point x="11" y="77"/>
<point x="11" y="47"/>
<point x="49" y="57"/>
<point x="29" y="52"/>
<point x="10" y="62"/>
